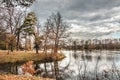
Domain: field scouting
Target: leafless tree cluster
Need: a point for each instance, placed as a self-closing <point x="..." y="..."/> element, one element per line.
<point x="12" y="3"/>
<point x="95" y="44"/>
<point x="11" y="20"/>
<point x="54" y="33"/>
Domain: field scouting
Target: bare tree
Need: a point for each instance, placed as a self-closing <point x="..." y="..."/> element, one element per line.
<point x="12" y="3"/>
<point x="58" y="33"/>
<point x="46" y="31"/>
<point x="12" y="19"/>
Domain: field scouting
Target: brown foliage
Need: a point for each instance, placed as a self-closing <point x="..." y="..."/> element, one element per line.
<point x="28" y="67"/>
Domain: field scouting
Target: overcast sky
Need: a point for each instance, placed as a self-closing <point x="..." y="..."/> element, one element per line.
<point x="88" y="18"/>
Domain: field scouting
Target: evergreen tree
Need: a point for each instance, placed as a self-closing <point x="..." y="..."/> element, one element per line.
<point x="28" y="27"/>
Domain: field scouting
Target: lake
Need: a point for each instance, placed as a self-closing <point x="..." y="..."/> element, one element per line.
<point x="91" y="64"/>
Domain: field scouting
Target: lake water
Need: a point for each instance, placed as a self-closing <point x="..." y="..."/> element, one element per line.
<point x="86" y="63"/>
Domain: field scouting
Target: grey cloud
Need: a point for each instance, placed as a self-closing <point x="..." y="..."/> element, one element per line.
<point x="89" y="35"/>
<point x="90" y="15"/>
<point x="93" y="5"/>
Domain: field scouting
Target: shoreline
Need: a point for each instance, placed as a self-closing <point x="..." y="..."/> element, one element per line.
<point x="22" y="57"/>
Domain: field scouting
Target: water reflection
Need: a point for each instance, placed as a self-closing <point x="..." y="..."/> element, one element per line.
<point x="90" y="64"/>
<point x="101" y="58"/>
<point x="93" y="56"/>
<point x="88" y="57"/>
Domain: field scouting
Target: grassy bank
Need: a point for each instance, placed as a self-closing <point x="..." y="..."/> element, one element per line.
<point x="19" y="77"/>
<point x="21" y="57"/>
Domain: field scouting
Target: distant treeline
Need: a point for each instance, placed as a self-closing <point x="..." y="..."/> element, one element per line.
<point x="95" y="44"/>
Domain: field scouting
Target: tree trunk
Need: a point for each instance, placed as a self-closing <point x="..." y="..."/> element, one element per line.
<point x="36" y="47"/>
<point x="36" y="50"/>
<point x="52" y="69"/>
<point x="11" y="46"/>
<point x="56" y="68"/>
<point x="18" y="38"/>
<point x="45" y="50"/>
<point x="25" y="43"/>
<point x="45" y="66"/>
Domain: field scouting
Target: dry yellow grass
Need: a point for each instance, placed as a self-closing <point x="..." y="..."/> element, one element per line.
<point x="20" y="56"/>
<point x="19" y="77"/>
